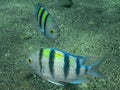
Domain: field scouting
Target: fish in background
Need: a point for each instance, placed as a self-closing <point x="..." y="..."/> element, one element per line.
<point x="68" y="4"/>
<point x="60" y="67"/>
<point x="45" y="22"/>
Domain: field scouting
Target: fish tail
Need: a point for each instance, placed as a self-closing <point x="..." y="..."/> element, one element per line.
<point x="94" y="69"/>
<point x="37" y="4"/>
<point x="34" y="2"/>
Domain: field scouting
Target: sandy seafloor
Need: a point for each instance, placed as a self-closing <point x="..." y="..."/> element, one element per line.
<point x="88" y="28"/>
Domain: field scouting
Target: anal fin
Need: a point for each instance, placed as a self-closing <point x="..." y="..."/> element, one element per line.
<point x="81" y="80"/>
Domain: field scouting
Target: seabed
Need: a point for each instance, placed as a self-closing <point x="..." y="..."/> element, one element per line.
<point x="88" y="28"/>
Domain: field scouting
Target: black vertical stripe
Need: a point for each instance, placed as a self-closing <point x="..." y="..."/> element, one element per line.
<point x="51" y="62"/>
<point x="45" y="23"/>
<point x="66" y="65"/>
<point x="77" y="66"/>
<point x="40" y="20"/>
<point x="40" y="58"/>
<point x="86" y="69"/>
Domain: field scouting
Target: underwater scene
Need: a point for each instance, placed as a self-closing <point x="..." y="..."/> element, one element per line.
<point x="59" y="44"/>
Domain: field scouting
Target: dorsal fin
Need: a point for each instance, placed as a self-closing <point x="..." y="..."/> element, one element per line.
<point x="83" y="59"/>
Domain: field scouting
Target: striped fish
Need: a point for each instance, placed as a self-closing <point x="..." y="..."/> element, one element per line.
<point x="45" y="22"/>
<point x="60" y="67"/>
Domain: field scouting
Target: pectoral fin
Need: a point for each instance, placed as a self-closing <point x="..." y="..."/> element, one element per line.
<point x="57" y="83"/>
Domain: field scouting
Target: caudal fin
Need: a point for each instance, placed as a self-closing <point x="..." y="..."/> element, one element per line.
<point x="94" y="70"/>
<point x="34" y="2"/>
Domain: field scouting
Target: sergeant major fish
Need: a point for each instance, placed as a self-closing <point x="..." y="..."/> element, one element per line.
<point x="45" y="22"/>
<point x="60" y="67"/>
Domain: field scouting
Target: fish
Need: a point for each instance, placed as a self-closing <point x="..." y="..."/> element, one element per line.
<point x="68" y="4"/>
<point x="60" y="67"/>
<point x="45" y="22"/>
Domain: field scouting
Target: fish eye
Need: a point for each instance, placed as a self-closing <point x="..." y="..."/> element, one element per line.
<point x="51" y="31"/>
<point x="30" y="60"/>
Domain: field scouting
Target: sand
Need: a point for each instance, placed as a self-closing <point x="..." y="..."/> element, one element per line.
<point x="88" y="28"/>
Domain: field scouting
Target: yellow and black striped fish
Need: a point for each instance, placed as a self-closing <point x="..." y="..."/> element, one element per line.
<point x="46" y="23"/>
<point x="60" y="67"/>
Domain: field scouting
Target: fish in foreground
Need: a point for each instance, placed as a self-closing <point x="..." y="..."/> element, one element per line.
<point x="60" y="67"/>
<point x="45" y="22"/>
